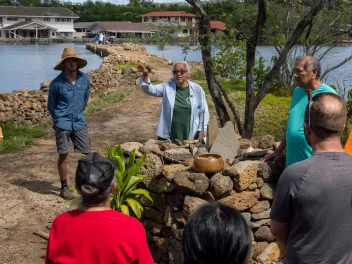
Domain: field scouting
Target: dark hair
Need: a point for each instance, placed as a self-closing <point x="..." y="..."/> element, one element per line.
<point x="311" y="64"/>
<point x="328" y="115"/>
<point x="99" y="198"/>
<point x="216" y="233"/>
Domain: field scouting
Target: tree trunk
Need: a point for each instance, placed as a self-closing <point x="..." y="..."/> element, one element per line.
<point x="205" y="43"/>
<point x="250" y="57"/>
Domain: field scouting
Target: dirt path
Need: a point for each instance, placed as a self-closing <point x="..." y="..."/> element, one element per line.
<point x="29" y="183"/>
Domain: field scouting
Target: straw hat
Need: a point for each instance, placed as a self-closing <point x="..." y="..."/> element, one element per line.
<point x="70" y="53"/>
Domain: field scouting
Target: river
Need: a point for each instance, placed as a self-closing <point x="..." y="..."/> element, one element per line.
<point x="27" y="65"/>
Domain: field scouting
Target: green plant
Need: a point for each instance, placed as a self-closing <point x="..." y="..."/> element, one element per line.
<point x="102" y="101"/>
<point x="127" y="195"/>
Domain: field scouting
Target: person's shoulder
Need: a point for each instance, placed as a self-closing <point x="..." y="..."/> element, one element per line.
<point x="57" y="79"/>
<point x="84" y="75"/>
<point x="66" y="217"/>
<point x="324" y="88"/>
<point x="196" y="86"/>
<point x="298" y="91"/>
<point x="296" y="171"/>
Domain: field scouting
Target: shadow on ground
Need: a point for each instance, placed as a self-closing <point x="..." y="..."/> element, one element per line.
<point x="38" y="186"/>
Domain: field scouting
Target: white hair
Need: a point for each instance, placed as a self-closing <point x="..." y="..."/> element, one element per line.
<point x="181" y="62"/>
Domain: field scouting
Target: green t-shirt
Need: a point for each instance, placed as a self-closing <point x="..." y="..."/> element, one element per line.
<point x="181" y="117"/>
<point x="297" y="147"/>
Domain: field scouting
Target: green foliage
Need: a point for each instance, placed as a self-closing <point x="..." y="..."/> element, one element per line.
<point x="127" y="195"/>
<point x="197" y="75"/>
<point x="102" y="101"/>
<point x="18" y="137"/>
<point x="127" y="65"/>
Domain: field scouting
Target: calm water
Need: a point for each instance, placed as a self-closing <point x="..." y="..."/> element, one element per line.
<point x="342" y="75"/>
<point x="26" y="66"/>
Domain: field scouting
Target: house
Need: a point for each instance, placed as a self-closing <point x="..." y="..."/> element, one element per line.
<point x="36" y="22"/>
<point x="124" y="29"/>
<point x="186" y="21"/>
<point x="81" y="29"/>
<point x="217" y="26"/>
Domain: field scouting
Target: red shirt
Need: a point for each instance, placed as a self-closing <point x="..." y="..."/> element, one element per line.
<point x="97" y="237"/>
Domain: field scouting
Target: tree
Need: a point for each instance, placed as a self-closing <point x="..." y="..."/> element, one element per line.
<point x="252" y="99"/>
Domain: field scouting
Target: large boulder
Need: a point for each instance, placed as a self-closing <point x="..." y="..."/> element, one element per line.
<point x="220" y="186"/>
<point x="192" y="183"/>
<point x="226" y="143"/>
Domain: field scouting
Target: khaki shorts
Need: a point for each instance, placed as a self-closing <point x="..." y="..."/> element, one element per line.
<point x="79" y="138"/>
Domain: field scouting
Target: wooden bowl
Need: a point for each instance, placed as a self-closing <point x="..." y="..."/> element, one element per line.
<point x="208" y="163"/>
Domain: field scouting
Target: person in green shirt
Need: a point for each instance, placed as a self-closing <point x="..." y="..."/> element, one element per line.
<point x="184" y="109"/>
<point x="306" y="75"/>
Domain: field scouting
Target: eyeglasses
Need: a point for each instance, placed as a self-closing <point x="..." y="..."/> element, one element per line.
<point x="180" y="71"/>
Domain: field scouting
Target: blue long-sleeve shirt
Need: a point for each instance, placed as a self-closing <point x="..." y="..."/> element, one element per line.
<point x="167" y="91"/>
<point x="67" y="101"/>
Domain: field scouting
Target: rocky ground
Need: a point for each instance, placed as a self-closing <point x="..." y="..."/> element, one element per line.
<point x="29" y="183"/>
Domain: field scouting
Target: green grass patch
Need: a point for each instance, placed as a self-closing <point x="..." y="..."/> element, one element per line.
<point x="197" y="75"/>
<point x="270" y="116"/>
<point x="126" y="65"/>
<point x="18" y="137"/>
<point x="102" y="101"/>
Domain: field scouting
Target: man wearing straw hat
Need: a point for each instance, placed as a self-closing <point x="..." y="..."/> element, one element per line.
<point x="68" y="97"/>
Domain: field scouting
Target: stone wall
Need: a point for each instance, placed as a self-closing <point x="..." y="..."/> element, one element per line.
<point x="246" y="184"/>
<point x="24" y="107"/>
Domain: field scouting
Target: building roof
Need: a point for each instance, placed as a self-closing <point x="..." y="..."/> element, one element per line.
<point x="82" y="24"/>
<point x="169" y="14"/>
<point x="125" y="26"/>
<point x="29" y="11"/>
<point x="219" y="25"/>
<point x="25" y="24"/>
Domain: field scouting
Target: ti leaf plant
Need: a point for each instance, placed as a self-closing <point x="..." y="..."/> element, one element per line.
<point x="127" y="195"/>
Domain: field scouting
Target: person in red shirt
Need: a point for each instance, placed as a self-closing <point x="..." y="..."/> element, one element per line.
<point x="94" y="233"/>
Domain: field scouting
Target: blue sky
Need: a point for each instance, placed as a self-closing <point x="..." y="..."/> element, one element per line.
<point x="121" y="2"/>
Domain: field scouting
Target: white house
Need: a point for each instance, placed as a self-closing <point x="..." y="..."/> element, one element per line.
<point x="186" y="21"/>
<point x="36" y="22"/>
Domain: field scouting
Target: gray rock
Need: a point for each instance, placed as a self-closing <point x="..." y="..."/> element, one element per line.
<point x="161" y="243"/>
<point x="260" y="207"/>
<point x="269" y="171"/>
<point x="247" y="216"/>
<point x="213" y="131"/>
<point x="226" y="143"/>
<point x="252" y="187"/>
<point x="259" y="182"/>
<point x="192" y="183"/>
<point x="220" y="186"/>
<point x="151" y="170"/>
<point x="259" y="223"/>
<point x="263" y="234"/>
<point x="154" y="227"/>
<point x="191" y="204"/>
<point x="179" y="154"/>
<point x="156" y="253"/>
<point x="175" y="252"/>
<point x="170" y="171"/>
<point x="263" y="142"/>
<point x="168" y="145"/>
<point x="176" y="200"/>
<point x="45" y="84"/>
<point x="127" y="71"/>
<point x="268" y="191"/>
<point x="153" y="214"/>
<point x="159" y="201"/>
<point x="262" y="215"/>
<point x="128" y="147"/>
